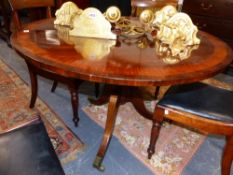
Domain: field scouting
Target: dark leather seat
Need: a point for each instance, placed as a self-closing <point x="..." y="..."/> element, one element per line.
<point x="28" y="151"/>
<point x="202" y="107"/>
<point x="201" y="99"/>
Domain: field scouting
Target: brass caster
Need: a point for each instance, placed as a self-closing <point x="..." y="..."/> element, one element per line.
<point x="98" y="164"/>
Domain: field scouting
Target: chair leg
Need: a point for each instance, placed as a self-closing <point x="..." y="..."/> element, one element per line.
<point x="157" y="92"/>
<point x="97" y="89"/>
<point x="54" y="86"/>
<point x="157" y="123"/>
<point x="227" y="156"/>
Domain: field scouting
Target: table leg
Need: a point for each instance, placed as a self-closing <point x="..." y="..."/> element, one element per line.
<point x="157" y="122"/>
<point x="34" y="85"/>
<point x="73" y="88"/>
<point x="109" y="126"/>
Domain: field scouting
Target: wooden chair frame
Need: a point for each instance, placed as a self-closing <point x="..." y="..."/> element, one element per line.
<point x="196" y="122"/>
<point x="17" y="5"/>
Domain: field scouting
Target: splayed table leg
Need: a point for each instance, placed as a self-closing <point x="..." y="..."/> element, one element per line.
<point x="111" y="118"/>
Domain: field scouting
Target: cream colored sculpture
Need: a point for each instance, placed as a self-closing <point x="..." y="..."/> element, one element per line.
<point x="179" y="26"/>
<point x="166" y="55"/>
<point x="66" y="14"/>
<point x="163" y="15"/>
<point x="92" y="23"/>
<point x="175" y="29"/>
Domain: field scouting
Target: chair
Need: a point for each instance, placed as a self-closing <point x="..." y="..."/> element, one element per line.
<point x="17" y="5"/>
<point x="200" y="106"/>
<point x="27" y="150"/>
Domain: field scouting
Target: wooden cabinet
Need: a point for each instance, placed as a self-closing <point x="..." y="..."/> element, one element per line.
<point x="212" y="16"/>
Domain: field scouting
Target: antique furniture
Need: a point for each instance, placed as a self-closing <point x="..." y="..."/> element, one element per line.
<point x="199" y="106"/>
<point x="20" y="5"/>
<point x="129" y="64"/>
<point x="212" y="16"/>
<point x="16" y="6"/>
<point x="27" y="150"/>
<point x="5" y="16"/>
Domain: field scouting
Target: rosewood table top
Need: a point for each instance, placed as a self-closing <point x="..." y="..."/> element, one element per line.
<point x="122" y="64"/>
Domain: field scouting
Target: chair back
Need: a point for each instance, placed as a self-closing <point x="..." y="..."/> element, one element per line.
<point x="17" y="5"/>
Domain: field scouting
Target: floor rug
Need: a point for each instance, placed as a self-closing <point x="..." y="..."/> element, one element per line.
<point x="14" y="101"/>
<point x="175" y="146"/>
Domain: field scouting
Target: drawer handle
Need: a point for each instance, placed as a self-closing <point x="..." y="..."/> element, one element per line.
<point x="206" y="6"/>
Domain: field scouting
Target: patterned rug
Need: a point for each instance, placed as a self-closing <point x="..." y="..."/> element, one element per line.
<point x="14" y="110"/>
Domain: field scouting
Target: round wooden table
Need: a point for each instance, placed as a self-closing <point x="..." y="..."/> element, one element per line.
<point x="127" y="63"/>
